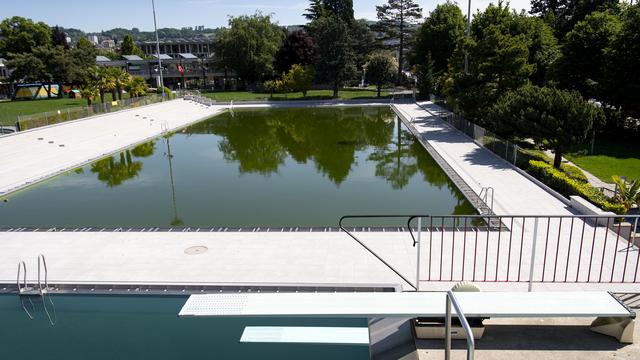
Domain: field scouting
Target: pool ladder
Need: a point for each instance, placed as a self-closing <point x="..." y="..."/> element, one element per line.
<point x="27" y="292"/>
<point x="486" y="194"/>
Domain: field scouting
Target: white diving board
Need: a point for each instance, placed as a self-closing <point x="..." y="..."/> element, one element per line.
<point x="423" y="304"/>
<point x="306" y="335"/>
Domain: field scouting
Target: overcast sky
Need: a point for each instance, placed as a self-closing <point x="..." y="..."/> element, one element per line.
<point x="93" y="16"/>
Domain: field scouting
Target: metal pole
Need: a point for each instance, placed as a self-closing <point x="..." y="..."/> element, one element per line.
<point x="418" y="262"/>
<point x="533" y="253"/>
<point x="466" y="53"/>
<point x="155" y="27"/>
<point x="447" y="330"/>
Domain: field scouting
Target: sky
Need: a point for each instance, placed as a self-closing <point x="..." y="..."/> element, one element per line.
<point x="93" y="16"/>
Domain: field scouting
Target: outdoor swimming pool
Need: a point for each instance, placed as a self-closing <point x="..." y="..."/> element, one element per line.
<point x="276" y="167"/>
<point x="147" y="327"/>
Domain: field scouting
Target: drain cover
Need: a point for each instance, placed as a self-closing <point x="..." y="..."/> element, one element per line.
<point x="196" y="250"/>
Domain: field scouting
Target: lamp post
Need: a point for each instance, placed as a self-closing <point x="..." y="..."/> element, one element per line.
<point x="466" y="53"/>
<point x="155" y="27"/>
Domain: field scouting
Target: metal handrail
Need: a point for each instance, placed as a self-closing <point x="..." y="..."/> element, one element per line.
<point x="46" y="282"/>
<point x="340" y="224"/>
<point x="471" y="344"/>
<point x="485" y="191"/>
<point x="22" y="288"/>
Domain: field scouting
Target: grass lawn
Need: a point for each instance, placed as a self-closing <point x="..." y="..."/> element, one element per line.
<point x="9" y="110"/>
<point x="311" y="95"/>
<point x="620" y="157"/>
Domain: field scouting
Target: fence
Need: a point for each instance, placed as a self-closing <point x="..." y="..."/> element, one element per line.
<point x="525" y="249"/>
<point x="26" y="122"/>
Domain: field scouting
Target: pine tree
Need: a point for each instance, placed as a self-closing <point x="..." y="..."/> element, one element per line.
<point x="59" y="38"/>
<point x="395" y="20"/>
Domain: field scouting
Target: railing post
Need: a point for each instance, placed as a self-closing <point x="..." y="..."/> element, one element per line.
<point x="419" y="255"/>
<point x="447" y="330"/>
<point x="533" y="252"/>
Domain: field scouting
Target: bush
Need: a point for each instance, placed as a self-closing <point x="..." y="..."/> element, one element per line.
<point x="567" y="186"/>
<point x="525" y="156"/>
<point x="170" y="94"/>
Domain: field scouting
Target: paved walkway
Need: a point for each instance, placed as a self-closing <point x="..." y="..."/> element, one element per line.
<point x="478" y="167"/>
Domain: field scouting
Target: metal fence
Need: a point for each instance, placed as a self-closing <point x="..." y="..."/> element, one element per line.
<point x="524" y="249"/>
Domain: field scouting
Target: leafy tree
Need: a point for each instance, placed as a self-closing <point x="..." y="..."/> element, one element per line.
<point x="562" y="15"/>
<point x="426" y="77"/>
<point x="623" y="72"/>
<point x="45" y="64"/>
<point x="584" y="54"/>
<point x="541" y="42"/>
<point x="555" y="119"/>
<point x="323" y="8"/>
<point x="19" y="35"/>
<point x="120" y="78"/>
<point x="300" y="78"/>
<point x="381" y="67"/>
<point x="59" y="38"/>
<point x="223" y="49"/>
<point x="439" y="35"/>
<point x="336" y="62"/>
<point x="89" y="93"/>
<point x="363" y="41"/>
<point x="297" y="48"/>
<point x="129" y="47"/>
<point x="137" y="87"/>
<point x="396" y="18"/>
<point x="250" y="46"/>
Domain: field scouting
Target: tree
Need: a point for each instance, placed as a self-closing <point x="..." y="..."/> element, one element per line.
<point x="45" y="64"/>
<point x="19" y="35"/>
<point x="439" y="35"/>
<point x="555" y="119"/>
<point x="315" y="11"/>
<point x="562" y="15"/>
<point x="541" y="42"/>
<point x="426" y="77"/>
<point x="336" y="63"/>
<point x="381" y="67"/>
<point x="363" y="41"/>
<point x="59" y="38"/>
<point x="120" y="78"/>
<point x="137" y="87"/>
<point x="83" y="56"/>
<point x="223" y="50"/>
<point x="396" y="18"/>
<point x="628" y="193"/>
<point x="583" y="62"/>
<point x="341" y="8"/>
<point x="300" y="78"/>
<point x="129" y="47"/>
<point x="89" y="93"/>
<point x="250" y="46"/>
<point x="297" y="48"/>
<point x="623" y="86"/>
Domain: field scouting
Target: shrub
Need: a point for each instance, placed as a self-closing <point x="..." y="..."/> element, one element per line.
<point x="567" y="186"/>
<point x="170" y="94"/>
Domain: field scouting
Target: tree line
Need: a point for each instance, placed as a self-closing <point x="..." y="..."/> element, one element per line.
<point x="554" y="75"/>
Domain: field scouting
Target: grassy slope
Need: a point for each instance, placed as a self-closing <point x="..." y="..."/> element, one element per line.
<point x="611" y="158"/>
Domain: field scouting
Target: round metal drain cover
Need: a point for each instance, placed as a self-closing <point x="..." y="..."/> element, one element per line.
<point x="196" y="250"/>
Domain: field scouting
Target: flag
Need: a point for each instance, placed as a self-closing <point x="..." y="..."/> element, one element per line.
<point x="181" y="69"/>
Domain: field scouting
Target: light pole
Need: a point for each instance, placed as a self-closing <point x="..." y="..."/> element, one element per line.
<point x="155" y="27"/>
<point x="466" y="53"/>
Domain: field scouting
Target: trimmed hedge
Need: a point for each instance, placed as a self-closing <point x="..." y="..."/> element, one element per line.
<point x="568" y="186"/>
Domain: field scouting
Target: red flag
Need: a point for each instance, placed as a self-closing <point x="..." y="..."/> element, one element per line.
<point x="181" y="69"/>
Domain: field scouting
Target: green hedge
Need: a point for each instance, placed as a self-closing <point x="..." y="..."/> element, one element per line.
<point x="567" y="186"/>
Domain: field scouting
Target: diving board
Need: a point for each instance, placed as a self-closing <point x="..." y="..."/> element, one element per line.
<point x="306" y="335"/>
<point x="407" y="304"/>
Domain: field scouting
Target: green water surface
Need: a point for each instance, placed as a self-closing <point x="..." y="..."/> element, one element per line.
<point x="276" y="167"/>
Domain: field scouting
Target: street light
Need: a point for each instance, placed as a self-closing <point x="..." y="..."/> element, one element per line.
<point x="155" y="27"/>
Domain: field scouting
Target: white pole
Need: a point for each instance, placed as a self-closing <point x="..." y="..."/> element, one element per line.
<point x="533" y="253"/>
<point x="155" y="27"/>
<point x="466" y="53"/>
<point x="419" y="255"/>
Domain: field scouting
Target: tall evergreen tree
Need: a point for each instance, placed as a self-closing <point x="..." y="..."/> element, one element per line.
<point x="321" y="8"/>
<point x="59" y="38"/>
<point x="129" y="47"/>
<point x="396" y="20"/>
<point x="562" y="15"/>
<point x="315" y="11"/>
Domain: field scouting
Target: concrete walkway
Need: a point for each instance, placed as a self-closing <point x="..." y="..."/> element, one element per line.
<point x="478" y="167"/>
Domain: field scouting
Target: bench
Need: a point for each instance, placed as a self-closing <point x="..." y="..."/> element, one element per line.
<point x="612" y="316"/>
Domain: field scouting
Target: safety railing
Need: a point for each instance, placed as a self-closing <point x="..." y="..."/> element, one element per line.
<point x="487" y="194"/>
<point x="471" y="344"/>
<point x="524" y="248"/>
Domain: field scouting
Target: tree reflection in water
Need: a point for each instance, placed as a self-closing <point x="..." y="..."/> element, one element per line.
<point x="115" y="172"/>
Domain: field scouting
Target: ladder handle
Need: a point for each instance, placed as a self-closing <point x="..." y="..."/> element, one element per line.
<point x="24" y="278"/>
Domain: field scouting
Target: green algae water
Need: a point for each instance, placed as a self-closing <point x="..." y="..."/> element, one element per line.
<point x="147" y="327"/>
<point x="250" y="168"/>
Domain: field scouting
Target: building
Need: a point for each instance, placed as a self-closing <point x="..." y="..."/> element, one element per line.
<point x="5" y="84"/>
<point x="93" y="39"/>
<point x="201" y="47"/>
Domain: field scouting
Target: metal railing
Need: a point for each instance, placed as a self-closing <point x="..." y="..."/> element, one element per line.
<point x="471" y="343"/>
<point x="523" y="248"/>
<point x="484" y="195"/>
<point x="26" y="122"/>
